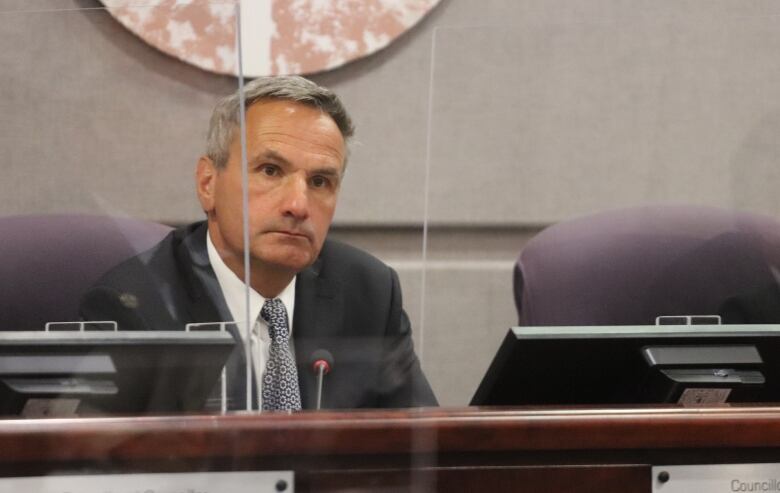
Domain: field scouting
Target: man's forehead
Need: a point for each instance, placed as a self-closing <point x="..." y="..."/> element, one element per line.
<point x="270" y="115"/>
<point x="265" y="109"/>
<point x="276" y="129"/>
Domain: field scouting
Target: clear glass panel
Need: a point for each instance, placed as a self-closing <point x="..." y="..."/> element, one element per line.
<point x="646" y="144"/>
<point x="347" y="304"/>
<point x="657" y="132"/>
<point x="104" y="123"/>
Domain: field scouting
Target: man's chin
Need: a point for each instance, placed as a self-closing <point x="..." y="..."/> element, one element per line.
<point x="293" y="263"/>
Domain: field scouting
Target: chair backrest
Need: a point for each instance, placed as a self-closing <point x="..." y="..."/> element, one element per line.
<point x="49" y="261"/>
<point x="626" y="267"/>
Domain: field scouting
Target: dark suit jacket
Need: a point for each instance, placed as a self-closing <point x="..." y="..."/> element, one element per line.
<point x="347" y="302"/>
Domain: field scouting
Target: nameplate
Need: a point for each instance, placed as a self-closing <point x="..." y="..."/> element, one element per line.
<point x="717" y="478"/>
<point x="196" y="482"/>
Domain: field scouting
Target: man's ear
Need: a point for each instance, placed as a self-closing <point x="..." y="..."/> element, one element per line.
<point x="205" y="182"/>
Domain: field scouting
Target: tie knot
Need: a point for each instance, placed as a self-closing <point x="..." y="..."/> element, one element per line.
<point x="275" y="315"/>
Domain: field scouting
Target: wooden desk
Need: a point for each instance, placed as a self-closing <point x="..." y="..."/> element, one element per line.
<point x="534" y="450"/>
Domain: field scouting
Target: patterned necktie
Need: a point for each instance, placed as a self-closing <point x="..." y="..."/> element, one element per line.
<point x="280" y="382"/>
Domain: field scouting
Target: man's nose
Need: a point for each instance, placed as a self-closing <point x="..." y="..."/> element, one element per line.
<point x="295" y="200"/>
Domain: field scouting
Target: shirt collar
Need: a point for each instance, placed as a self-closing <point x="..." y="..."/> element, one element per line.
<point x="234" y="290"/>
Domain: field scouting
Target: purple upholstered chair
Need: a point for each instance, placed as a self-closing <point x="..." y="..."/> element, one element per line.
<point x="626" y="267"/>
<point x="48" y="261"/>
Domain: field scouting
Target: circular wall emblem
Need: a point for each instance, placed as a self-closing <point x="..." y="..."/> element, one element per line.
<point x="277" y="36"/>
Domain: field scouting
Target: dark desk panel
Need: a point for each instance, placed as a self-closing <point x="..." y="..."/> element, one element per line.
<point x="606" y="450"/>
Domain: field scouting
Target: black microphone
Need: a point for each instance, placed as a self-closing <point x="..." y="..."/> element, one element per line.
<point x="322" y="364"/>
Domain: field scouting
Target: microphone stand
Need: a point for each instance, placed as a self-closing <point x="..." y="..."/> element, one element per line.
<point x="320" y="378"/>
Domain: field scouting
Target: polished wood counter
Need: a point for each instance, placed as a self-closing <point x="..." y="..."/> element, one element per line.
<point x="583" y="449"/>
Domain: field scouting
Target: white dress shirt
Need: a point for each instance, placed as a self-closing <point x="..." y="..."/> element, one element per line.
<point x="234" y="291"/>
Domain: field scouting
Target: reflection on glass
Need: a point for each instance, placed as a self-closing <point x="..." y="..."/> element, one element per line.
<point x="597" y="172"/>
<point x="266" y="275"/>
<point x="100" y="131"/>
<point x="332" y="297"/>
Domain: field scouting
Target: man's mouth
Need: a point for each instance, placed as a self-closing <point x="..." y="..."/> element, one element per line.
<point x="293" y="234"/>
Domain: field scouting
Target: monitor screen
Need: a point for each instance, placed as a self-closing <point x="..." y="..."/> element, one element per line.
<point x="106" y="372"/>
<point x="591" y="365"/>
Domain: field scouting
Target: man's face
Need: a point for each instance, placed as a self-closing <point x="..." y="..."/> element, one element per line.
<point x="295" y="157"/>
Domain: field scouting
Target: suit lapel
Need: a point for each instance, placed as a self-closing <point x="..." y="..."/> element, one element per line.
<point x="206" y="303"/>
<point x="317" y="319"/>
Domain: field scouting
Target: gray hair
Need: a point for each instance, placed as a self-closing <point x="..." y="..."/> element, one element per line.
<point x="226" y="115"/>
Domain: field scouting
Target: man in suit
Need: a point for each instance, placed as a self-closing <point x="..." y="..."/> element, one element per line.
<point x="333" y="297"/>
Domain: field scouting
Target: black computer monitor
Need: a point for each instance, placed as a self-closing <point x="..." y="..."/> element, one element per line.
<point x="109" y="372"/>
<point x="687" y="364"/>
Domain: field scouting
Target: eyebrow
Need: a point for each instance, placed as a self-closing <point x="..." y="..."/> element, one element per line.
<point x="326" y="171"/>
<point x="273" y="155"/>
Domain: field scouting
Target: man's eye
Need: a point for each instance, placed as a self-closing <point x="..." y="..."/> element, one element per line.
<point x="319" y="181"/>
<point x="269" y="169"/>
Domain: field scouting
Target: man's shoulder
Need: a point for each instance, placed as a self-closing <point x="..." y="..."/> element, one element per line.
<point x="336" y="255"/>
<point x="148" y="290"/>
<point x="159" y="260"/>
<point x="357" y="272"/>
